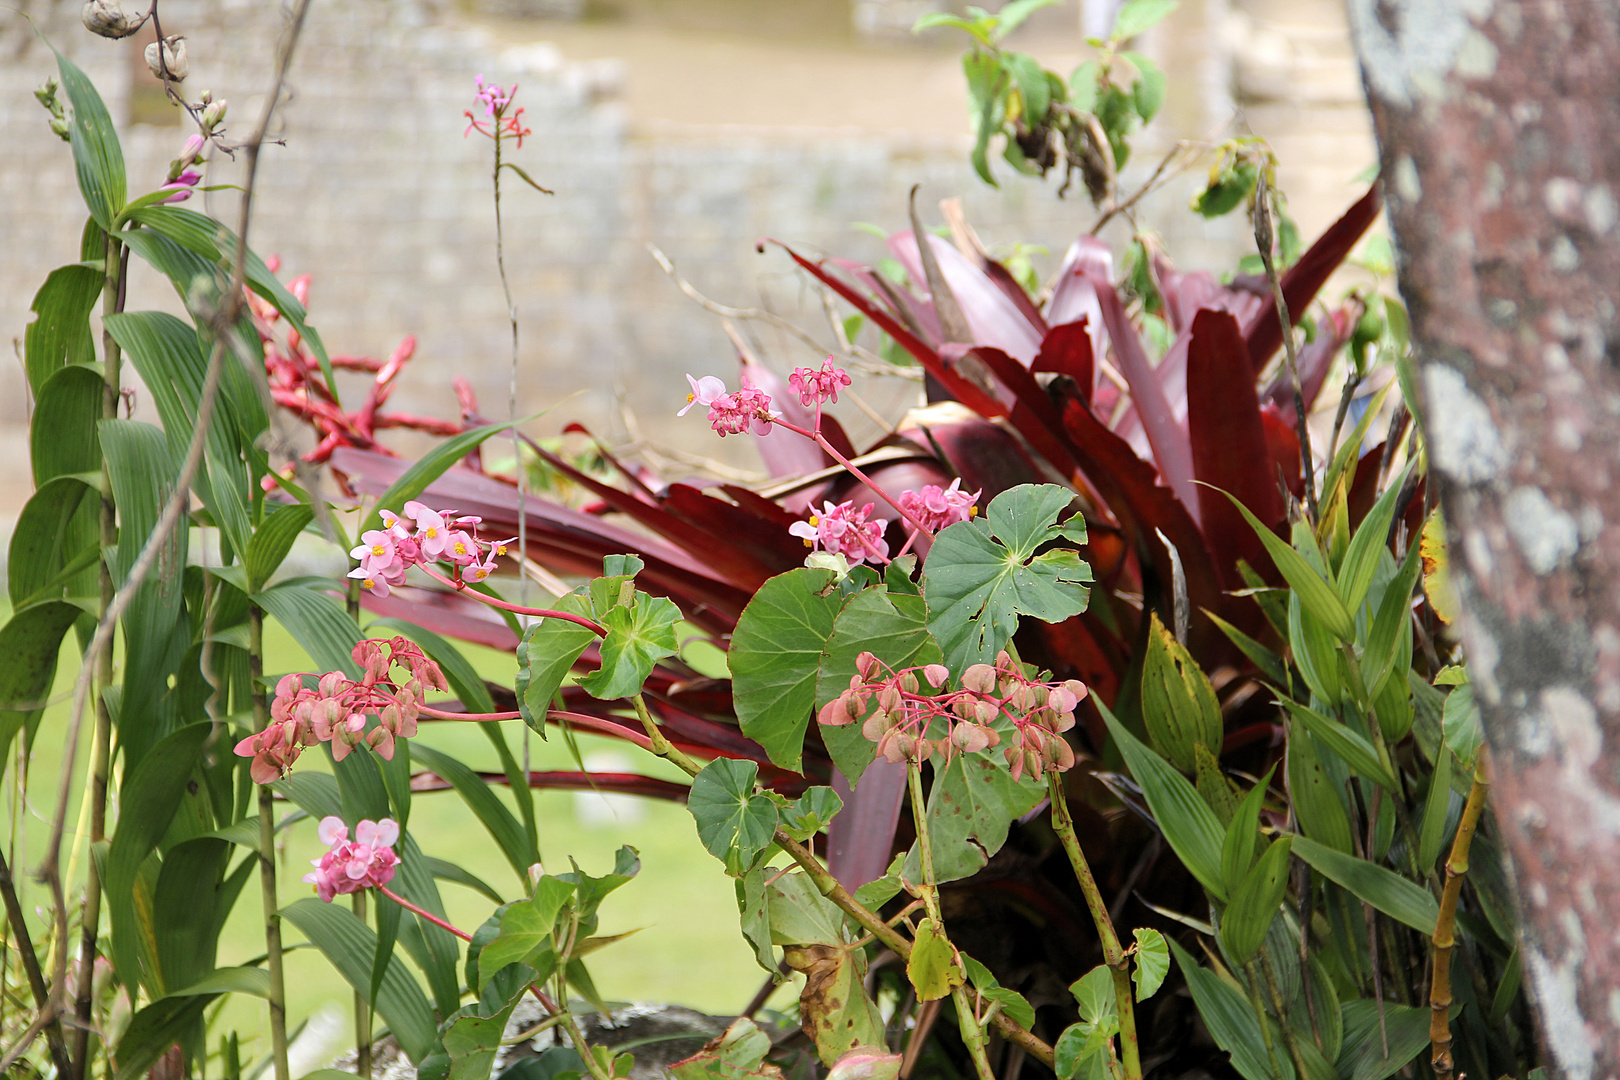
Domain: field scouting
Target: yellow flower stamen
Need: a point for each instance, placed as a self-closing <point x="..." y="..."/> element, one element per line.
<point x="500" y="549"/>
<point x="814" y="521"/>
<point x="691" y="398"/>
<point x="377" y="550"/>
<point x="368" y="583"/>
<point x="461" y="549"/>
<point x="809" y="543"/>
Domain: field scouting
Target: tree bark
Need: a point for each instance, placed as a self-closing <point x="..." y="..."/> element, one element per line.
<point x="1499" y="129"/>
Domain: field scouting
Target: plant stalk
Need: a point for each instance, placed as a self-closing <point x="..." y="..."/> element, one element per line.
<point x="1456" y="868"/>
<point x="1265" y="1023"/>
<point x="30" y="963"/>
<point x="966" y="1019"/>
<point x="362" y="1008"/>
<point x="267" y="856"/>
<point x="1113" y="952"/>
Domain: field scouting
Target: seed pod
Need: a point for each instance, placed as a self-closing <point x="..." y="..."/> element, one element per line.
<point x="936" y="674"/>
<point x="173" y="56"/>
<point x="835" y="713"/>
<point x="1178" y="703"/>
<point x="980" y="678"/>
<point x="107" y="19"/>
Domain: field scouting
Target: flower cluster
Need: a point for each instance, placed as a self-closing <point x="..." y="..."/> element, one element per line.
<point x="386" y="553"/>
<point x="814" y="387"/>
<point x="936" y="507"/>
<point x="731" y="414"/>
<point x="366" y="862"/>
<point x="496" y="124"/>
<point x="910" y="724"/>
<point x="844" y="530"/>
<point x="337" y="709"/>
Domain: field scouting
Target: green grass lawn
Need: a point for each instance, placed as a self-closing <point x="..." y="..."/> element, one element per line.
<point x="688" y="949"/>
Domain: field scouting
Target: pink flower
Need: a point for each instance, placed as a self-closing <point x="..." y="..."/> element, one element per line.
<point x="349" y="866"/>
<point x="273" y="750"/>
<point x="373" y="582"/>
<point x="191" y="150"/>
<point x="431" y="531"/>
<point x="938" y="507"/>
<point x="376" y="549"/>
<point x="478" y="571"/>
<point x="460" y="548"/>
<point x="733" y="414"/>
<point x="843" y="530"/>
<point x="182" y="192"/>
<point x="704" y="392"/>
<point x="815" y="386"/>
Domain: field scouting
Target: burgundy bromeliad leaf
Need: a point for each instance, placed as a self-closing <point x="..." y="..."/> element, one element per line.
<point x="992" y="316"/>
<point x="1228" y="441"/>
<point x="1066" y="350"/>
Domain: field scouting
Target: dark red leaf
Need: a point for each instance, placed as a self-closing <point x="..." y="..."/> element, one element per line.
<point x="1228" y="439"/>
<point x="1282" y="443"/>
<point x="1066" y="350"/>
<point x="1306" y="277"/>
<point x="609" y="783"/>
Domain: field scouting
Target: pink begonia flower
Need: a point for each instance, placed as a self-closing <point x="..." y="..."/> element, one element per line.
<point x="704" y="392"/>
<point x="393" y="523"/>
<point x="349" y="866"/>
<point x="273" y="750"/>
<point x="815" y="386"/>
<point x="376" y="549"/>
<point x="370" y="580"/>
<point x="749" y="407"/>
<point x="460" y="548"/>
<point x="938" y="507"/>
<point x="431" y="531"/>
<point x="478" y="571"/>
<point x="843" y="530"/>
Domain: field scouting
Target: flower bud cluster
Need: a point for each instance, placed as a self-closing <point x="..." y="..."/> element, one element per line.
<point x="814" y="387"/>
<point x="46" y="95"/>
<point x="910" y="724"/>
<point x="386" y="553"/>
<point x="337" y="709"/>
<point x="844" y="530"/>
<point x="365" y="862"/>
<point x="500" y="119"/>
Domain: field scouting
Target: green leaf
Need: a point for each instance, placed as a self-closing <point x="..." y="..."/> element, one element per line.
<point x="986" y="91"/>
<point x="31" y="641"/>
<point x="97" y="157"/>
<point x="1314" y="593"/>
<point x="982" y="574"/>
<point x="893" y="626"/>
<point x="1012" y="15"/>
<point x="775" y="655"/>
<point x="800" y="915"/>
<point x="350" y="945"/>
<point x="754" y="915"/>
<point x="1356" y="751"/>
<point x="1188" y="823"/>
<point x="526" y="930"/>
<point x="1081" y="1053"/>
<point x="1316" y="796"/>
<point x="811" y="812"/>
<point x="737" y="1054"/>
<point x="979" y="28"/>
<point x="973" y="803"/>
<point x="1269" y="663"/>
<point x="1152" y="962"/>
<point x="1362" y="1057"/>
<point x="486" y="806"/>
<point x="1094" y="993"/>
<point x="931" y="967"/>
<point x="469" y="1040"/>
<point x="1179" y="705"/>
<point x="202" y="235"/>
<point x="1014" y="1005"/>
<point x="148" y="799"/>
<point x="272" y="540"/>
<point x="1148" y="90"/>
<point x="639" y="635"/>
<point x="1361" y="558"/>
<point x="58" y="525"/>
<point x="1315" y="652"/>
<point x="734" y="822"/>
<point x="1138" y="16"/>
<point x="154" y="1029"/>
<point x="1254" y="903"/>
<point x="1460" y="724"/>
<point x="316" y="622"/>
<point x="445" y="870"/>
<point x="838" y="1014"/>
<point x="1432" y="835"/>
<point x="60" y="332"/>
<point x="1400" y="899"/>
<point x="1391" y="625"/>
<point x="547" y="653"/>
<point x="1230" y="1020"/>
<point x="1242" y="836"/>
<point x="1030" y="79"/>
<point x="1227" y="188"/>
<point x="63" y="438"/>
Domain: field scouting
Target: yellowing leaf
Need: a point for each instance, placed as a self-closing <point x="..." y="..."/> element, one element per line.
<point x="930" y="969"/>
<point x="1437" y="584"/>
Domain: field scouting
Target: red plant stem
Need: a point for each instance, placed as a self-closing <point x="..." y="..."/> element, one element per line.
<point x="846" y="463"/>
<point x="595" y="723"/>
<point x="428" y="915"/>
<point x="472" y="717"/>
<point x="543" y="613"/>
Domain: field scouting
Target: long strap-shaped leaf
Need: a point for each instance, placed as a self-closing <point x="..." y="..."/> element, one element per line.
<point x="1400" y="899"/>
<point x="1318" y="597"/>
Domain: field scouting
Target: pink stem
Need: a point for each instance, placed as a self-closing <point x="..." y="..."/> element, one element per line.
<point x="474" y="717"/>
<point x="543" y="613"/>
<point x="912" y="539"/>
<point x="603" y="726"/>
<point x="428" y="915"/>
<point x="846" y="463"/>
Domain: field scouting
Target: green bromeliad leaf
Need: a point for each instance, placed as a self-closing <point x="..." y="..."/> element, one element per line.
<point x="982" y="574"/>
